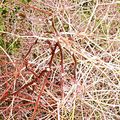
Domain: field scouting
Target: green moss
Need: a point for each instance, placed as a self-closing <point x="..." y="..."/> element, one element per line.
<point x="11" y="47"/>
<point x="2" y="44"/>
<point x="2" y="27"/>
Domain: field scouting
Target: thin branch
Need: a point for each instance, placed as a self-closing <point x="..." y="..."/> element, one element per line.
<point x="75" y="65"/>
<point x="38" y="99"/>
<point x="30" y="49"/>
<point x="30" y="83"/>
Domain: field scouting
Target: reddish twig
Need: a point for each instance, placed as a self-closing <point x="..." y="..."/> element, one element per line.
<point x="52" y="52"/>
<point x="38" y="99"/>
<point x="75" y="65"/>
<point x="62" y="68"/>
<point x="30" y="49"/>
<point x="61" y="54"/>
<point x="53" y="25"/>
<point x="30" y="83"/>
<point x="6" y="93"/>
<point x="40" y="10"/>
<point x="61" y="63"/>
<point x="50" y="45"/>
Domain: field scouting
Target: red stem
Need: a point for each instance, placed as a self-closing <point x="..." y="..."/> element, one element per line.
<point x="75" y="65"/>
<point x="6" y="93"/>
<point x="30" y="49"/>
<point x="38" y="99"/>
<point x="61" y="54"/>
<point x="53" y="25"/>
<point x="41" y="10"/>
<point x="53" y="52"/>
<point x="30" y="83"/>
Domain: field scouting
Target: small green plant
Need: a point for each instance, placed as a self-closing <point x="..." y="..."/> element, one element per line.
<point x="3" y="10"/>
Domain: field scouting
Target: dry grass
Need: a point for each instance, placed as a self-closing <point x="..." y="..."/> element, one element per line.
<point x="60" y="60"/>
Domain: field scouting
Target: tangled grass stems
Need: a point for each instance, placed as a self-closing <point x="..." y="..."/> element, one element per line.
<point x="73" y="70"/>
